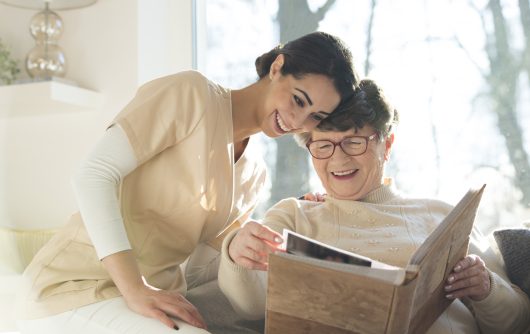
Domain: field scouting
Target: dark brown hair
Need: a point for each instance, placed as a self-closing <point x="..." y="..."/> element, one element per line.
<point x="315" y="53"/>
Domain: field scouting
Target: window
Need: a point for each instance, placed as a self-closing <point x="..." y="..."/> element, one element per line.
<point x="459" y="81"/>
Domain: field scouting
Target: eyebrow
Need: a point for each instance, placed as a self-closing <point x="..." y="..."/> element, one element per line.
<point x="306" y="96"/>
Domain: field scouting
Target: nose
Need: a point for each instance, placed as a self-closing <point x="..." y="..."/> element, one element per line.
<point x="308" y="121"/>
<point x="302" y="119"/>
<point x="299" y="120"/>
<point x="338" y="153"/>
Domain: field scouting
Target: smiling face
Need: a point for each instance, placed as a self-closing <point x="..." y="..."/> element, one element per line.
<point x="352" y="177"/>
<point x="294" y="105"/>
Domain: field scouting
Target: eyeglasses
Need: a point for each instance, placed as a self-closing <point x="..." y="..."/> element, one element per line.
<point x="352" y="146"/>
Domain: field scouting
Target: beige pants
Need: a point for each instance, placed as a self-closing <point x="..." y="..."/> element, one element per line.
<point x="106" y="317"/>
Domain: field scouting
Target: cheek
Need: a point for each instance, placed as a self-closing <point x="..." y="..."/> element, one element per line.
<point x="373" y="161"/>
<point x="380" y="160"/>
<point x="378" y="166"/>
<point x="310" y="124"/>
<point x="320" y="168"/>
<point x="281" y="96"/>
<point x="275" y="98"/>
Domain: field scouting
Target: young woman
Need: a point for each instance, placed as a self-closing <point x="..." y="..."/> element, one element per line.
<point x="170" y="173"/>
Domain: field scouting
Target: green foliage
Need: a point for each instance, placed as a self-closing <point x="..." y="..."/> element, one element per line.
<point x="8" y="66"/>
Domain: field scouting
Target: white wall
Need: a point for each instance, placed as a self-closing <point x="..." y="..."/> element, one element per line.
<point x="164" y="37"/>
<point x="111" y="47"/>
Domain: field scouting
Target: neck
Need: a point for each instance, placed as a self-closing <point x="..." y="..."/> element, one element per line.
<point x="246" y="109"/>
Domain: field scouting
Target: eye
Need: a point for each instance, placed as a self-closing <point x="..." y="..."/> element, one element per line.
<point x="317" y="117"/>
<point x="298" y="101"/>
<point x="323" y="146"/>
<point x="353" y="142"/>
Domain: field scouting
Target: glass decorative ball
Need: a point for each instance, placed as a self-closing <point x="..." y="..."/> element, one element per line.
<point x="46" y="25"/>
<point x="46" y="60"/>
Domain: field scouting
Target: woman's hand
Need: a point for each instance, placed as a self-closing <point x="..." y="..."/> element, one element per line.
<point x="146" y="300"/>
<point x="252" y="244"/>
<point x="313" y="197"/>
<point x="160" y="304"/>
<point x="470" y="278"/>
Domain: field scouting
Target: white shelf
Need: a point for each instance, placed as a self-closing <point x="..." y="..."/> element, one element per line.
<point x="47" y="97"/>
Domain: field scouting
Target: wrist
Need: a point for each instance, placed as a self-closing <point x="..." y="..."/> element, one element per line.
<point x="228" y="244"/>
<point x="123" y="270"/>
<point x="131" y="287"/>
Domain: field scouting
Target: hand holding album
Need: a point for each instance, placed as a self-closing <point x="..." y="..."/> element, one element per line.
<point x="252" y="245"/>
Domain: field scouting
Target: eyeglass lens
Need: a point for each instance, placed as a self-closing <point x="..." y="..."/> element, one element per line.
<point x="351" y="146"/>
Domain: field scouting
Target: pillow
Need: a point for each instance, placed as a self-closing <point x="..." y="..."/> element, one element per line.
<point x="514" y="245"/>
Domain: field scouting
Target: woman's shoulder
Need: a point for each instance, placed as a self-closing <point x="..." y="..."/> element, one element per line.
<point x="296" y="207"/>
<point x="290" y="204"/>
<point x="192" y="77"/>
<point x="436" y="203"/>
<point x="431" y="204"/>
<point x="189" y="77"/>
<point x="183" y="88"/>
<point x="185" y="81"/>
<point x="292" y="213"/>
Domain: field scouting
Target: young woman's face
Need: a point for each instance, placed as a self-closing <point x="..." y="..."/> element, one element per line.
<point x="294" y="105"/>
<point x="352" y="177"/>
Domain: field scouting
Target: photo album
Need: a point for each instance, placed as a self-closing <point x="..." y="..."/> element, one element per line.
<point x="313" y="287"/>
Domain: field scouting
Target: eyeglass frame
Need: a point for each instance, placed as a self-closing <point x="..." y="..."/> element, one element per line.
<point x="367" y="140"/>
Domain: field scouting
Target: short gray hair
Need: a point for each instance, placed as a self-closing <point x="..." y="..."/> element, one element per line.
<point x="302" y="138"/>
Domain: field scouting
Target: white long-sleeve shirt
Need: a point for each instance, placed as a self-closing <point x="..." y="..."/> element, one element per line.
<point x="96" y="185"/>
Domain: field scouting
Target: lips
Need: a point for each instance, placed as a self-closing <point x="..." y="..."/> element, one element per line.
<point x="344" y="174"/>
<point x="281" y="125"/>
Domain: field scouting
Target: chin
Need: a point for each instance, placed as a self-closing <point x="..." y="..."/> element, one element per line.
<point x="347" y="195"/>
<point x="350" y="198"/>
<point x="338" y="195"/>
<point x="270" y="132"/>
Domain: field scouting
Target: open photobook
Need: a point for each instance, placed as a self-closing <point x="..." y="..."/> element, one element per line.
<point x="317" y="288"/>
<point x="311" y="251"/>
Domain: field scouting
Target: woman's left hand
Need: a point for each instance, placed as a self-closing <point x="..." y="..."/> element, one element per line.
<point x="313" y="197"/>
<point x="469" y="278"/>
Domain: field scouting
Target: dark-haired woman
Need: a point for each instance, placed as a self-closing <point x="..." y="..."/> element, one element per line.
<point x="172" y="172"/>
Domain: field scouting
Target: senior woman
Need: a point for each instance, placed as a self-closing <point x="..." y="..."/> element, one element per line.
<point x="364" y="213"/>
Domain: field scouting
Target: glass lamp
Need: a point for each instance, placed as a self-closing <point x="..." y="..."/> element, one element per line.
<point x="47" y="60"/>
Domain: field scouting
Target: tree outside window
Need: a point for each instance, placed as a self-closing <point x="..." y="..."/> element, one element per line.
<point x="458" y="71"/>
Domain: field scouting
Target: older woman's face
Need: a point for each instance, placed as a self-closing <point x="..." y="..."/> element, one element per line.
<point x="352" y="177"/>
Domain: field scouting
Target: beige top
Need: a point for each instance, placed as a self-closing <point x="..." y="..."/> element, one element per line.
<point x="186" y="190"/>
<point x="389" y="228"/>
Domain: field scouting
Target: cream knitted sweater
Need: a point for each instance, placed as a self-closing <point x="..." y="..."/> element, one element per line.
<point x="388" y="228"/>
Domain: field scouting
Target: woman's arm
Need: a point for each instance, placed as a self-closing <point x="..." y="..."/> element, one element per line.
<point x="96" y="185"/>
<point x="505" y="308"/>
<point x="146" y="300"/>
<point x="244" y="258"/>
<point x="244" y="288"/>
